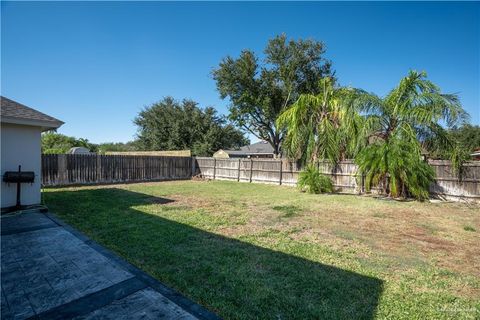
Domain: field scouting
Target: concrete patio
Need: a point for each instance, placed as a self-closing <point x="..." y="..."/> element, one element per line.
<point x="51" y="271"/>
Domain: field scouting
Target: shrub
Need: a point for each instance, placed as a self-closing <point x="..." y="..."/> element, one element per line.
<point x="312" y="181"/>
<point x="396" y="167"/>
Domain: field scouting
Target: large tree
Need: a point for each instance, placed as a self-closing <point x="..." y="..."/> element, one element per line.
<point x="260" y="89"/>
<point x="465" y="137"/>
<point x="174" y="125"/>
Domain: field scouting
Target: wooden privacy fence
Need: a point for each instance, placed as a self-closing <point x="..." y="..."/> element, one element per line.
<point x="71" y="169"/>
<point x="66" y="169"/>
<point x="448" y="184"/>
<point x="344" y="175"/>
<point x="273" y="171"/>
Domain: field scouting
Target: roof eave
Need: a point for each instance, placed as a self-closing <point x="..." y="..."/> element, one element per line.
<point x="44" y="125"/>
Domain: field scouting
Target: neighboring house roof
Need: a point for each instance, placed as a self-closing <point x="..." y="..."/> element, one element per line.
<point x="79" y="150"/>
<point x="17" y="113"/>
<point x="261" y="147"/>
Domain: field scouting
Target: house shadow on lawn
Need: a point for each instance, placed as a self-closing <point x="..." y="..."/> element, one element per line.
<point x="234" y="279"/>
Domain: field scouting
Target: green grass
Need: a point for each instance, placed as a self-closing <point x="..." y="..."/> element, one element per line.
<point x="252" y="251"/>
<point x="288" y="211"/>
<point x="469" y="228"/>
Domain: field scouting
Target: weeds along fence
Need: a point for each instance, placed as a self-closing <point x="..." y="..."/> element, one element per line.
<point x="344" y="175"/>
<point x="72" y="169"/>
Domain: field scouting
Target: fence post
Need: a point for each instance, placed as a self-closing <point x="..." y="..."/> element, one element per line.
<point x="62" y="168"/>
<point x="251" y="169"/>
<point x="99" y="167"/>
<point x="214" y="167"/>
<point x="238" y="173"/>
<point x="193" y="166"/>
<point x="281" y="173"/>
<point x="362" y="180"/>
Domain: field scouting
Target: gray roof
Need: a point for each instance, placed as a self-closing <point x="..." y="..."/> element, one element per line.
<point x="261" y="147"/>
<point x="17" y="113"/>
<point x="79" y="150"/>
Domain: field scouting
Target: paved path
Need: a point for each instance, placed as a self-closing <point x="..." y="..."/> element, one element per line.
<point x="51" y="271"/>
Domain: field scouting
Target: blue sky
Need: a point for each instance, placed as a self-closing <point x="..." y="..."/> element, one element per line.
<point x="94" y="65"/>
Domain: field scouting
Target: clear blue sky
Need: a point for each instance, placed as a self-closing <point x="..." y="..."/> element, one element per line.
<point x="94" y="65"/>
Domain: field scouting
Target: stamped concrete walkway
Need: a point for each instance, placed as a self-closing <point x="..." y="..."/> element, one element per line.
<point x="51" y="271"/>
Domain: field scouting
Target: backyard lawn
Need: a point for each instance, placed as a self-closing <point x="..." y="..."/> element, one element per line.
<point x="253" y="251"/>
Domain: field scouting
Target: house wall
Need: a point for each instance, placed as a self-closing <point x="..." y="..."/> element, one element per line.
<point x="20" y="146"/>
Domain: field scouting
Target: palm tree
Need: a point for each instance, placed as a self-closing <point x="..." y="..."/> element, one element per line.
<point x="398" y="128"/>
<point x="322" y="126"/>
<point x="414" y="109"/>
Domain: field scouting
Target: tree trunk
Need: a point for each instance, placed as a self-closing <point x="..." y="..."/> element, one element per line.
<point x="276" y="144"/>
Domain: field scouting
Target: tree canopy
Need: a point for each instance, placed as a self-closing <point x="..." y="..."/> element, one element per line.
<point x="174" y="125"/>
<point x="259" y="90"/>
<point x="53" y="142"/>
<point x="118" y="146"/>
<point x="414" y="111"/>
<point x="322" y="126"/>
<point x="466" y="137"/>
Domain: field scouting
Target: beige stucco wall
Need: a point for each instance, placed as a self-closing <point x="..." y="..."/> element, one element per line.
<point x="20" y="146"/>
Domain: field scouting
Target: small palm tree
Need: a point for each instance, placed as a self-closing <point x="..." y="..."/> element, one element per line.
<point x="322" y="126"/>
<point x="398" y="127"/>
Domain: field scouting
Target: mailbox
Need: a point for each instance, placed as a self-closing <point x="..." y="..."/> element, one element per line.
<point x="19" y="177"/>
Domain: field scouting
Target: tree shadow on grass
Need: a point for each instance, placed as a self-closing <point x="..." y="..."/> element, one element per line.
<point x="235" y="279"/>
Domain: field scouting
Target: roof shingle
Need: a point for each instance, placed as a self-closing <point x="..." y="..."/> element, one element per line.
<point x="261" y="147"/>
<point x="13" y="110"/>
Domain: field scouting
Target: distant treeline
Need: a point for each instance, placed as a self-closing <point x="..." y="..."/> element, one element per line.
<point x="468" y="136"/>
<point x="166" y="125"/>
<point x="56" y="143"/>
